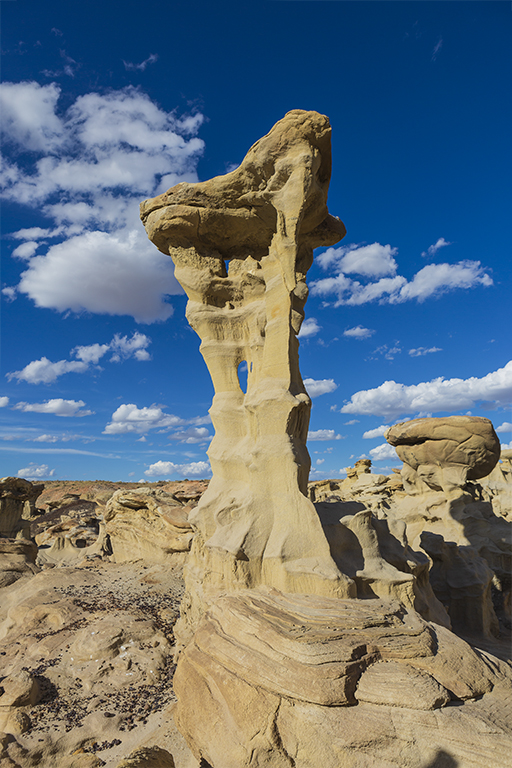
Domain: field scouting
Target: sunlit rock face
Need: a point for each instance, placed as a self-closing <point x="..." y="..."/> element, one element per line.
<point x="17" y="506"/>
<point x="242" y="245"/>
<point x="462" y="524"/>
<point x="444" y="453"/>
<point x="311" y="636"/>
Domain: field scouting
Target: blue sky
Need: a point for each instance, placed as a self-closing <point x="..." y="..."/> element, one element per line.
<point x="106" y="104"/>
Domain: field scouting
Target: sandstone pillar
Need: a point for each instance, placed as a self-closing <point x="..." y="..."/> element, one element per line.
<point x="242" y="245"/>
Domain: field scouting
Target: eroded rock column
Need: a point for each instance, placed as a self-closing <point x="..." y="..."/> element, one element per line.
<point x="242" y="245"/>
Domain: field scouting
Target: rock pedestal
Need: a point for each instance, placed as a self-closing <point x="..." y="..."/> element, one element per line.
<point x="308" y="636"/>
<point x="242" y="245"/>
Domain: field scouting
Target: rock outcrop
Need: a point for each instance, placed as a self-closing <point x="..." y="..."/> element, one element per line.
<point x="242" y="245"/>
<point x="313" y="636"/>
<point x="444" y="453"/>
<point x="17" y="506"/>
<point x="450" y="470"/>
<point x="148" y="524"/>
<point x="291" y="681"/>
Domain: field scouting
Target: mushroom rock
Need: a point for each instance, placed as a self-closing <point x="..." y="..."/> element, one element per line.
<point x="451" y="516"/>
<point x="445" y="452"/>
<point x="242" y="245"/>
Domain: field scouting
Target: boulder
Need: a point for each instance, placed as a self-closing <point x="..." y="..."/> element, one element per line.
<point x="147" y="523"/>
<point x="443" y="453"/>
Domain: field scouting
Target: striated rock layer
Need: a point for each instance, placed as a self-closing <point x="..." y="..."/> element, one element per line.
<point x="288" y="681"/>
<point x="242" y="245"/>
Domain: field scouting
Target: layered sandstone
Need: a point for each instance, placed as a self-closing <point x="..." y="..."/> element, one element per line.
<point x="242" y="245"/>
<point x="312" y="636"/>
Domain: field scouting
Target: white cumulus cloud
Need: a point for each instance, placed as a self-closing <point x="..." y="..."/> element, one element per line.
<point x="377" y="432"/>
<point x="4" y="402"/>
<point x="373" y="260"/>
<point x="128" y="418"/>
<point x="167" y="468"/>
<point x="376" y="263"/>
<point x="192" y="435"/>
<point x="46" y="439"/>
<point x="324" y="434"/>
<point x="391" y="399"/>
<point x="317" y="387"/>
<point x="86" y="169"/>
<point x="308" y="328"/>
<point x="505" y="427"/>
<point x="57" y="406"/>
<point x="35" y="471"/>
<point x="359" y="332"/>
<point x="43" y="371"/>
<point x="383" y="452"/>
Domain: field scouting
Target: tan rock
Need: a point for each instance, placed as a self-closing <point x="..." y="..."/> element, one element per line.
<point x="17" y="560"/>
<point x="446" y="452"/>
<point x="400" y="685"/>
<point x="254" y="523"/>
<point x="148" y="524"/>
<point x="148" y="757"/>
<point x="301" y="681"/>
<point x="18" y="690"/>
<point x="17" y="506"/>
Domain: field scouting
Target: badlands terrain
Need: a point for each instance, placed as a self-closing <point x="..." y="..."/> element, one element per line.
<point x="91" y="593"/>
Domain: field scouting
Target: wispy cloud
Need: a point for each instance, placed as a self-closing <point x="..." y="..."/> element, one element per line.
<point x="44" y="371"/>
<point x="433" y="249"/>
<point x="389" y="353"/>
<point x="420" y="351"/>
<point x="56" y="406"/>
<point x="152" y="59"/>
<point x="437" y="48"/>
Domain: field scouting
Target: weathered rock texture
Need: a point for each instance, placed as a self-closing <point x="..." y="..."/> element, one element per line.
<point x="242" y="245"/>
<point x="148" y="524"/>
<point x="17" y="506"/>
<point x="312" y="636"/>
<point x="289" y="681"/>
<point x="444" y="453"/>
<point x="459" y="522"/>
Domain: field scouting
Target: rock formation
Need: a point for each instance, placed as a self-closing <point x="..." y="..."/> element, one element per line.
<point x="448" y="514"/>
<point x="444" y="453"/>
<point x="311" y="636"/>
<point x="242" y="245"/>
<point x="148" y="524"/>
<point x="17" y="506"/>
